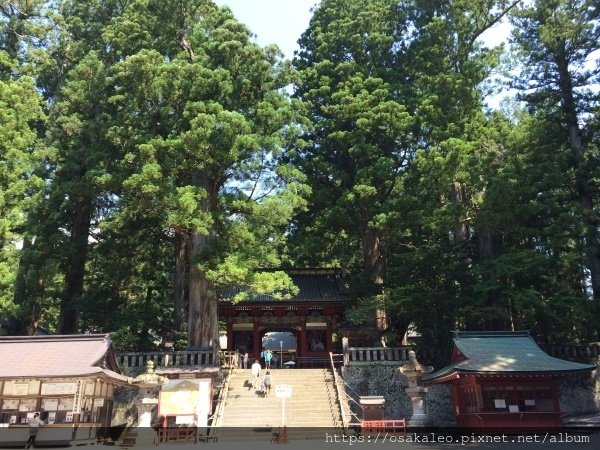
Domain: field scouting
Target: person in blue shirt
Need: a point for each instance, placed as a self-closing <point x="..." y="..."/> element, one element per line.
<point x="268" y="358"/>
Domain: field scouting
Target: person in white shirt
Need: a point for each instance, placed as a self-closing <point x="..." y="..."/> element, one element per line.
<point x="34" y="427"/>
<point x="255" y="373"/>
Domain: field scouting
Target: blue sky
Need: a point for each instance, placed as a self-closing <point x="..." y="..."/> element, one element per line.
<point x="282" y="22"/>
<point x="278" y="22"/>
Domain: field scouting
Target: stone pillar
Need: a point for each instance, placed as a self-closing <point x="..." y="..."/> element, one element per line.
<point x="149" y="384"/>
<point x="372" y="407"/>
<point x="328" y="337"/>
<point x="419" y="417"/>
<point x="414" y="371"/>
<point x="345" y="350"/>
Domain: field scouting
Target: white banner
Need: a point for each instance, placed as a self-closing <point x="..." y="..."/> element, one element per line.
<point x="58" y="388"/>
<point x="77" y="398"/>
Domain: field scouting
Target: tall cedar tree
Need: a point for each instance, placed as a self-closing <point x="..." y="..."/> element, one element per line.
<point x="556" y="40"/>
<point x="202" y="118"/>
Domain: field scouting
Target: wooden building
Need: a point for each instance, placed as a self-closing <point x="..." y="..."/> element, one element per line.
<point x="69" y="380"/>
<point x="312" y="316"/>
<point x="188" y="396"/>
<point x="502" y="380"/>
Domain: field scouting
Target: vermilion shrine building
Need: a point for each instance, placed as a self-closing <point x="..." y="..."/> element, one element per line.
<point x="503" y="379"/>
<point x="312" y="316"/>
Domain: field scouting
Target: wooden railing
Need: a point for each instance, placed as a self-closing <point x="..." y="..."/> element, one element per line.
<point x="229" y="359"/>
<point x="376" y="427"/>
<point x="204" y="358"/>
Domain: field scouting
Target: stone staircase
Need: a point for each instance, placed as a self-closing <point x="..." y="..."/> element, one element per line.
<point x="310" y="412"/>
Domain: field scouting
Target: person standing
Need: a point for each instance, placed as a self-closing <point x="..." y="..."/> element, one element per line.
<point x="255" y="373"/>
<point x="268" y="357"/>
<point x="34" y="427"/>
<point x="245" y="360"/>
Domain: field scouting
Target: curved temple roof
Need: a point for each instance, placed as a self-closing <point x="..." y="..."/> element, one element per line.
<point x="314" y="284"/>
<point x="58" y="356"/>
<point x="502" y="353"/>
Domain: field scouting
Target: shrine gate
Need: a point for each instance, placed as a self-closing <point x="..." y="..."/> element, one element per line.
<point x="312" y="316"/>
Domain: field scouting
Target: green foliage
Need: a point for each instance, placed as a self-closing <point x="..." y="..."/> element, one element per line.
<point x="150" y="155"/>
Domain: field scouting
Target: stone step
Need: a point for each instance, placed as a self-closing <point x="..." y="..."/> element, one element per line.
<point x="296" y="396"/>
<point x="235" y="434"/>
<point x="316" y="419"/>
<point x="295" y="420"/>
<point x="312" y="404"/>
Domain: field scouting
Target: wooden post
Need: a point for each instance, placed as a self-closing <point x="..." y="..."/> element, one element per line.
<point x="230" y="334"/>
<point x="256" y="340"/>
<point x="302" y="349"/>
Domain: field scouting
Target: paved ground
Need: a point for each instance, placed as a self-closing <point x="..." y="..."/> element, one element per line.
<point x="585" y="437"/>
<point x="564" y="441"/>
<point x="559" y="441"/>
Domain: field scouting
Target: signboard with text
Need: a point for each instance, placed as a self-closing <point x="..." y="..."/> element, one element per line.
<point x="283" y="391"/>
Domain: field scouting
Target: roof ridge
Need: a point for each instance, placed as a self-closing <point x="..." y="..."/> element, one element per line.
<point x="56" y="337"/>
<point x="495" y="334"/>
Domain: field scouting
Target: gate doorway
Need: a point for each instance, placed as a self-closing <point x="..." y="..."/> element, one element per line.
<point x="284" y="346"/>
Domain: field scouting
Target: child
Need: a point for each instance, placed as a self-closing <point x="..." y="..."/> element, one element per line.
<point x="267" y="382"/>
<point x="263" y="386"/>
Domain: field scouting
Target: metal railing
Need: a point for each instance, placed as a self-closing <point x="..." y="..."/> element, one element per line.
<point x="343" y="397"/>
<point x="216" y="419"/>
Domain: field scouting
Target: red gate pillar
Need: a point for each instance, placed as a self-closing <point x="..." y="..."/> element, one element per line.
<point x="230" y="335"/>
<point x="256" y="340"/>
<point x="302" y="347"/>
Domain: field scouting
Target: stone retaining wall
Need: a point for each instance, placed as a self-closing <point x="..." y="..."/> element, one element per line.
<point x="577" y="395"/>
<point x="385" y="380"/>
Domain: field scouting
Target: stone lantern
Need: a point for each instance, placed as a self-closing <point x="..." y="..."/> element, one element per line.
<point x="147" y="399"/>
<point x="414" y="371"/>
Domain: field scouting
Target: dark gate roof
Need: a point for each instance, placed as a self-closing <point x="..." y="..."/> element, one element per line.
<point x="502" y="353"/>
<point x="315" y="285"/>
<point x="58" y="356"/>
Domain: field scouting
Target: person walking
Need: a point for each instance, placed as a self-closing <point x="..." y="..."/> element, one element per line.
<point x="255" y="373"/>
<point x="268" y="358"/>
<point x="268" y="381"/>
<point x="34" y="427"/>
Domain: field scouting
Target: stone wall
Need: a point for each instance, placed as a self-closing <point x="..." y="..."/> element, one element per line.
<point x="577" y="395"/>
<point x="384" y="380"/>
<point x="124" y="410"/>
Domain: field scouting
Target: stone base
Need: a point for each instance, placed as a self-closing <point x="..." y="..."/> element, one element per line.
<point x="419" y="421"/>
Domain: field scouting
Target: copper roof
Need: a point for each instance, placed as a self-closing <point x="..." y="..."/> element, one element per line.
<point x="58" y="356"/>
<point x="502" y="353"/>
<point x="315" y="285"/>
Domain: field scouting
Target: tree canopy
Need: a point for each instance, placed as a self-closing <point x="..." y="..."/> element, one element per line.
<point x="152" y="153"/>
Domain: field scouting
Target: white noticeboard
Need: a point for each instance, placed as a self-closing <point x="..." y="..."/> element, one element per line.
<point x="283" y="391"/>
